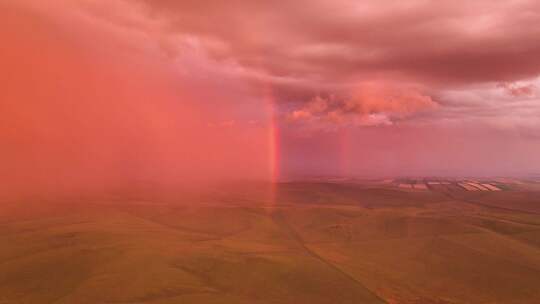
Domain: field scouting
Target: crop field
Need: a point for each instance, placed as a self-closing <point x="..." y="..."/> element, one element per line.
<point x="311" y="242"/>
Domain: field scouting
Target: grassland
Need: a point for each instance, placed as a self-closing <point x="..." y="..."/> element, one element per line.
<point x="311" y="242"/>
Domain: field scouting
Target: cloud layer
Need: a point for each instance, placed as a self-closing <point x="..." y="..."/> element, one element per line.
<point x="304" y="49"/>
<point x="175" y="76"/>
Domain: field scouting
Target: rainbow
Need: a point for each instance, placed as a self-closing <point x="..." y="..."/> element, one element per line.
<point x="273" y="148"/>
<point x="273" y="142"/>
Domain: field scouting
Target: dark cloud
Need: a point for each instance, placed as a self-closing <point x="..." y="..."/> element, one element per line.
<point x="442" y="41"/>
<point x="303" y="49"/>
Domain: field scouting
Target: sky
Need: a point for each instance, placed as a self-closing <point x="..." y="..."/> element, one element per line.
<point x="99" y="94"/>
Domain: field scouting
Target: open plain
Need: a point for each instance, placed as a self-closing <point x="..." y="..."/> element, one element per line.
<point x="308" y="242"/>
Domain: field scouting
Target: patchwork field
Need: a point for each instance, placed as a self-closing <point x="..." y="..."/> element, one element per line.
<point x="308" y="242"/>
